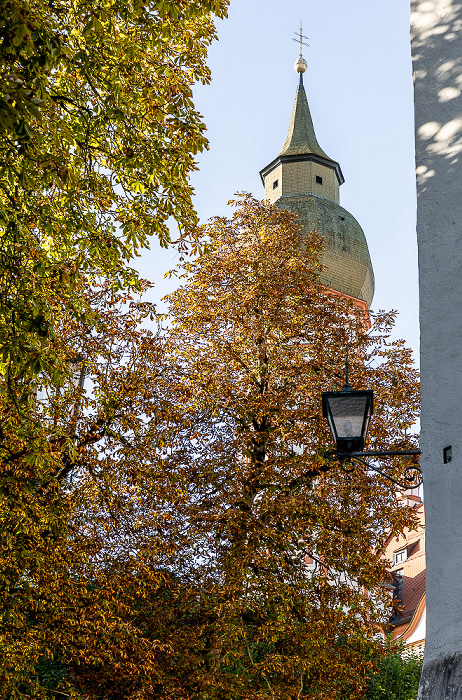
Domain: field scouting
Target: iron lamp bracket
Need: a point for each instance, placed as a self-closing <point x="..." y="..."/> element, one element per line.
<point x="412" y="475"/>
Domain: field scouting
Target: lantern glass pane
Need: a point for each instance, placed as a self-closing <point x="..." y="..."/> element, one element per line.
<point x="348" y="415"/>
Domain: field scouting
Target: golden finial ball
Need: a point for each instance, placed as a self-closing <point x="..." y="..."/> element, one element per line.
<point x="300" y="65"/>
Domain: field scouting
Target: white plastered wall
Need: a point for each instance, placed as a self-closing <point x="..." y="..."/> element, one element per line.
<point x="437" y="51"/>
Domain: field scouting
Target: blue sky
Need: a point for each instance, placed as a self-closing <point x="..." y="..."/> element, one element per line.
<point x="359" y="86"/>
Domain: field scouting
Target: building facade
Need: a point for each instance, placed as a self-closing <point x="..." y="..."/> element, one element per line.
<point x="408" y="571"/>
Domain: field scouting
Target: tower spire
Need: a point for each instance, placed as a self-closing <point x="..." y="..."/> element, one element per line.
<point x="301" y="138"/>
<point x="303" y="179"/>
<point x="301" y="65"/>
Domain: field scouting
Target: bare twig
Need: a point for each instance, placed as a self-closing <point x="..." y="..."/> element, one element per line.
<point x="301" y="687"/>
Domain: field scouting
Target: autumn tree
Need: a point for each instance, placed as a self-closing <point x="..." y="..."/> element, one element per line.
<point x="83" y="523"/>
<point x="285" y="546"/>
<point x="175" y="530"/>
<point x="98" y="136"/>
<point x="212" y="551"/>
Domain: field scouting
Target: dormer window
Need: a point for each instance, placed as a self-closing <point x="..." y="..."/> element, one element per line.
<point x="318" y="180"/>
<point x="275" y="184"/>
<point x="400" y="556"/>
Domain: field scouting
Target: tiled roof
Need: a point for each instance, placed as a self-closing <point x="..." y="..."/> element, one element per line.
<point x="346" y="255"/>
<point x="413" y="590"/>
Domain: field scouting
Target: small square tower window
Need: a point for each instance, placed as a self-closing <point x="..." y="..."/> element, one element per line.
<point x="318" y="180"/>
<point x="275" y="184"/>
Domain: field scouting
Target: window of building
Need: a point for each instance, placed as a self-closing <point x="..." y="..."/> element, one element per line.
<point x="397" y="594"/>
<point x="275" y="184"/>
<point x="318" y="179"/>
<point x="399" y="556"/>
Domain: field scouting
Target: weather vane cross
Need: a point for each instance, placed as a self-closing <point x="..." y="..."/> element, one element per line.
<point x="300" y="36"/>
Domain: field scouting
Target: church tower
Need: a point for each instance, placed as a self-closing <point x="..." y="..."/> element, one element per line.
<point x="303" y="179"/>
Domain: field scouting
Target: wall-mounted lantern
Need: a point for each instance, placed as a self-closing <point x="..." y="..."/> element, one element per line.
<point x="349" y="413"/>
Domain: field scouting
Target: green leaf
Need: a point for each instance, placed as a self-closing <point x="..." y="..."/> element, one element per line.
<point x="20" y="33"/>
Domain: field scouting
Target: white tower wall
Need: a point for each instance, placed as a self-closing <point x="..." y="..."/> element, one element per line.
<point x="437" y="57"/>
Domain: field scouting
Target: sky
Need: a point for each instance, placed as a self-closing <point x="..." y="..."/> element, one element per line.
<point x="359" y="87"/>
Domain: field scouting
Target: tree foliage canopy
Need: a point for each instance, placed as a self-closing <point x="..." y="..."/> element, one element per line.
<point x="98" y="135"/>
<point x="175" y="531"/>
<point x="288" y="549"/>
<point x="397" y="677"/>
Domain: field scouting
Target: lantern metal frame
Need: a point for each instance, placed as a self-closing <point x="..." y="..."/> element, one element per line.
<point x="352" y="449"/>
<point x="354" y="443"/>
